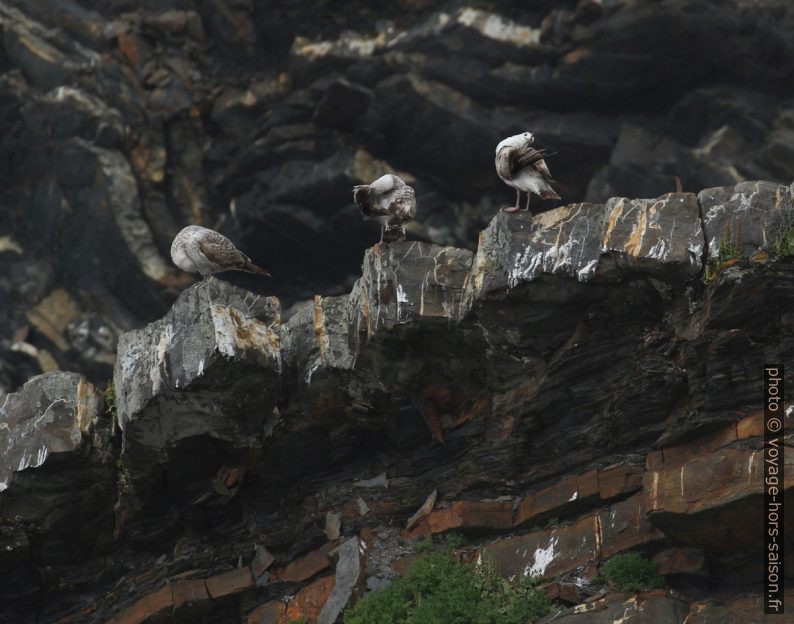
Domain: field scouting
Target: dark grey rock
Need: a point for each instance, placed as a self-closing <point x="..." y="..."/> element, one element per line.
<point x="52" y="417"/>
<point x="342" y="105"/>
<point x="591" y="242"/>
<point x="408" y="282"/>
<point x="124" y="123"/>
<point x="57" y="485"/>
<point x="745" y="217"/>
<point x="216" y="352"/>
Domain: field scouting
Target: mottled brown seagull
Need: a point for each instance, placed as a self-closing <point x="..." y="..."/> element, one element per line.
<point x="522" y="166"/>
<point x="389" y="200"/>
<point x="198" y="249"/>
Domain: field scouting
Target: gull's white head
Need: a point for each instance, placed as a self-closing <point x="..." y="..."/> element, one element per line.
<point x="525" y="138"/>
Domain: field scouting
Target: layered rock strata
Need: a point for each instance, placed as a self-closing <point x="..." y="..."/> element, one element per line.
<point x="584" y="384"/>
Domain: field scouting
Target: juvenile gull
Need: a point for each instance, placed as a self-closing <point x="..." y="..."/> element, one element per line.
<point x="389" y="200"/>
<point x="198" y="249"/>
<point x="522" y="166"/>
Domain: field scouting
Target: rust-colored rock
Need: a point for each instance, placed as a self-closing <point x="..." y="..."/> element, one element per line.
<point x="367" y="535"/>
<point x="682" y="453"/>
<point x="576" y="491"/>
<point x="420" y="531"/>
<point x="472" y="515"/>
<point x="550" y="552"/>
<point x="620" y="479"/>
<point x="153" y="604"/>
<point x="555" y="497"/>
<point x="625" y="525"/>
<point x="654" y="460"/>
<point x="309" y="601"/>
<point x="750" y="426"/>
<point x="228" y="583"/>
<point x="269" y="613"/>
<point x="672" y="456"/>
<point x="188" y="591"/>
<point x="304" y="567"/>
<point x="704" y="501"/>
<point x="547" y="552"/>
<point x="564" y="592"/>
<point x="525" y="510"/>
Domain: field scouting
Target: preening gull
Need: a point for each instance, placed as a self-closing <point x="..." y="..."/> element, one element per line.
<point x="389" y="200"/>
<point x="198" y="249"/>
<point x="522" y="166"/>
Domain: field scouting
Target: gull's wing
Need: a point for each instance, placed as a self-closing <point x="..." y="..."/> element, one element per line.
<point x="525" y="156"/>
<point x="402" y="203"/>
<point x="220" y="250"/>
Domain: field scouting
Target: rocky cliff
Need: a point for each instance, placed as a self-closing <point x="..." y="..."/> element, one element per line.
<point x="584" y="384"/>
<point x="123" y="121"/>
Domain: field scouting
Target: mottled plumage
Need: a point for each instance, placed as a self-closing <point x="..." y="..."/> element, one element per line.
<point x="389" y="200"/>
<point x="521" y="166"/>
<point x="198" y="249"/>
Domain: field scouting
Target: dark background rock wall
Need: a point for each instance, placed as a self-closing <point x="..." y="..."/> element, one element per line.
<point x="123" y="121"/>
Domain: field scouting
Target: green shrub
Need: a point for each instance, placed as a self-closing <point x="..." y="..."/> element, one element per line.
<point x="424" y="546"/>
<point x="729" y="248"/>
<point x="785" y="247"/>
<point x="110" y="398"/>
<point x="439" y="590"/>
<point x="631" y="572"/>
<point x="455" y="539"/>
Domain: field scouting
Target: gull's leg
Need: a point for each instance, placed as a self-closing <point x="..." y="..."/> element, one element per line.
<point x="382" y="230"/>
<point x="528" y="196"/>
<point x="517" y="206"/>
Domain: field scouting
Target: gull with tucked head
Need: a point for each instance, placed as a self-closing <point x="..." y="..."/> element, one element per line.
<point x="198" y="249"/>
<point x="389" y="200"/>
<point x="521" y="166"/>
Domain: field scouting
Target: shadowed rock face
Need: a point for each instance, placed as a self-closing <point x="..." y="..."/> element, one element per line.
<point x="123" y="122"/>
<point x="586" y="383"/>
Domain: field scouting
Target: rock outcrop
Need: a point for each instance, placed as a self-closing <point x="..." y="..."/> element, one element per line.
<point x="123" y="122"/>
<point x="216" y="352"/>
<point x="585" y="384"/>
<point x="57" y="489"/>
